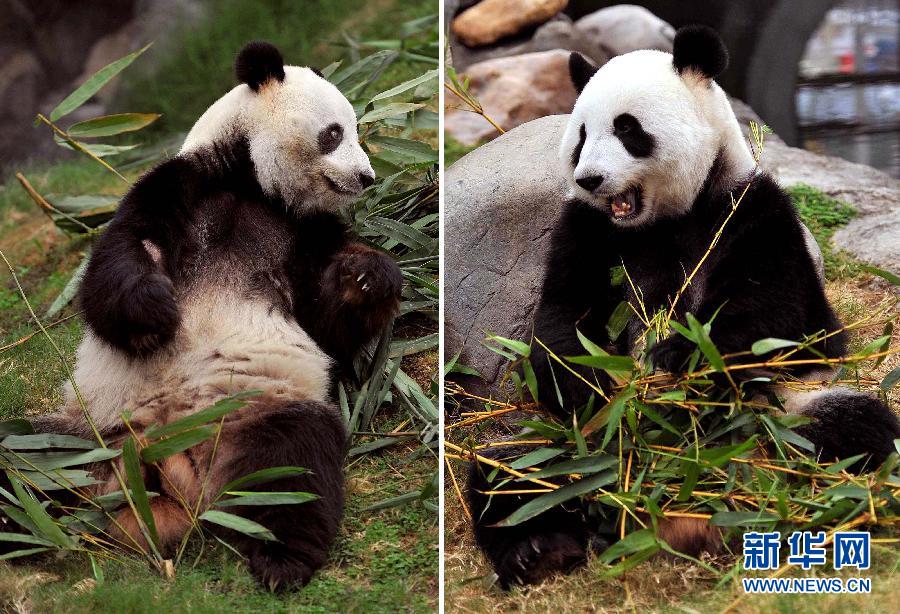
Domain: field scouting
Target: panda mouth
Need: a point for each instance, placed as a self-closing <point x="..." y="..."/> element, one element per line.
<point x="335" y="187"/>
<point x="625" y="205"/>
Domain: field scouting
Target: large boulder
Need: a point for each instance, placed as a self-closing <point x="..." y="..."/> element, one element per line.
<point x="558" y="33"/>
<point x="491" y="20"/>
<point x="624" y="28"/>
<point x="503" y="199"/>
<point x="511" y="90"/>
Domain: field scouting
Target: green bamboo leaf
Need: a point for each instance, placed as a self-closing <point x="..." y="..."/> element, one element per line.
<point x="94" y="83"/>
<point x="403" y="151"/>
<point x="58" y="479"/>
<point x="582" y="466"/>
<point x="176" y="443"/>
<point x="530" y="379"/>
<point x="891" y="277"/>
<point x="264" y="476"/>
<point x="48" y="461"/>
<point x="536" y="457"/>
<point x="621" y="364"/>
<point x="213" y="413"/>
<point x="24" y="538"/>
<point x="407" y="85"/>
<point x="890" y="380"/>
<point x="47" y="528"/>
<point x="615" y="407"/>
<point x="400" y="232"/>
<point x="549" y="500"/>
<point x="705" y="343"/>
<point x="740" y="519"/>
<point x="138" y="490"/>
<point x="394" y="109"/>
<point x="403" y="499"/>
<point x="19" y="553"/>
<point x="241" y="525"/>
<point x="519" y="347"/>
<point x="631" y="562"/>
<point x="110" y="125"/>
<point x="46" y="440"/>
<point x="69" y="291"/>
<point x="764" y="346"/>
<point x="618" y="320"/>
<point x="266" y="498"/>
<point x="18" y="426"/>
<point x="631" y="543"/>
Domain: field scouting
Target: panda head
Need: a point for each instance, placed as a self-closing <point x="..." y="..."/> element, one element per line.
<point x="647" y="128"/>
<point x="301" y="131"/>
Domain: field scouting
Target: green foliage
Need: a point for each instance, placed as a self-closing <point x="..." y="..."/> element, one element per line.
<point x="823" y="215"/>
<point x="674" y="445"/>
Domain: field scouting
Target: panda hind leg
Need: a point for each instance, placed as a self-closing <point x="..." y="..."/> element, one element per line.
<point x="302" y="434"/>
<point x="846" y="423"/>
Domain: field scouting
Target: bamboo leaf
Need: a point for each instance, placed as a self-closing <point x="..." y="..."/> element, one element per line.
<point x="705" y="343"/>
<point x="176" y="443"/>
<point x="138" y="489"/>
<point x="110" y="125"/>
<point x="39" y="516"/>
<point x="393" y="109"/>
<point x="46" y="440"/>
<point x="621" y="364"/>
<point x="741" y="519"/>
<point x="69" y="291"/>
<point x="407" y="85"/>
<point x="536" y="457"/>
<point x="94" y="83"/>
<point x="764" y="346"/>
<point x="264" y="476"/>
<point x="549" y="500"/>
<point x="213" y="413"/>
<point x="239" y="524"/>
<point x="582" y="466"/>
<point x="266" y="498"/>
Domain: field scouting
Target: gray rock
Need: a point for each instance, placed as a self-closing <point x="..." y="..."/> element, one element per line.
<point x="874" y="235"/>
<point x="501" y="202"/>
<point x="558" y="33"/>
<point x="623" y="28"/>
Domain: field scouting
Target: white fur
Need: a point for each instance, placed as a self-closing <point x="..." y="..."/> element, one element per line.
<point x="689" y="116"/>
<point x="226" y="344"/>
<point x="282" y="122"/>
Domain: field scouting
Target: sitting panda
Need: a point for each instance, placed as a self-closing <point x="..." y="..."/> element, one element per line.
<point x="225" y="269"/>
<point x="654" y="153"/>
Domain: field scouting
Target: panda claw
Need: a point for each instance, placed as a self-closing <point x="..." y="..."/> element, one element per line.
<point x="360" y="278"/>
<point x="365" y="287"/>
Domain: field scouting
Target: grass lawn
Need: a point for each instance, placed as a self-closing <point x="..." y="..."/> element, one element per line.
<point x="385" y="560"/>
<point x="664" y="585"/>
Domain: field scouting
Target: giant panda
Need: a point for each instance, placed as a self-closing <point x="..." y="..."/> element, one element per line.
<point x="228" y="269"/>
<point x="653" y="154"/>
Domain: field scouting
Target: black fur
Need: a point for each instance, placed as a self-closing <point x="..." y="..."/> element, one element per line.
<point x="636" y="141"/>
<point x="257" y="62"/>
<point x="760" y="275"/>
<point x="701" y="49"/>
<point x="329" y="138"/>
<point x="580" y="70"/>
<point x="206" y="206"/>
<point x="304" y="434"/>
<point x="576" y="153"/>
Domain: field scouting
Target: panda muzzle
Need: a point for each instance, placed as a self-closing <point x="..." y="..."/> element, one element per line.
<point x="626" y="204"/>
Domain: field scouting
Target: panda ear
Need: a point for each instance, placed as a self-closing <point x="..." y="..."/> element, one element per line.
<point x="580" y="70"/>
<point x="257" y="62"/>
<point x="700" y="49"/>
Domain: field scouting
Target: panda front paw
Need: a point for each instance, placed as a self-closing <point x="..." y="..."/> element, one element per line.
<point x="367" y="277"/>
<point x="538" y="557"/>
<point x="671" y="354"/>
<point x="149" y="315"/>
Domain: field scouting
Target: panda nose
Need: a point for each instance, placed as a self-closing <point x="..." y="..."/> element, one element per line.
<point x="366" y="180"/>
<point x="590" y="183"/>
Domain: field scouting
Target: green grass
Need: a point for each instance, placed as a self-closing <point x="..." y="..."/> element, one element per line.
<point x="199" y="68"/>
<point x="823" y="215"/>
<point x="384" y="561"/>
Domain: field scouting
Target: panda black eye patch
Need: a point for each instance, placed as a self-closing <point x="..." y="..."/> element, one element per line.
<point x="576" y="153"/>
<point x="638" y="143"/>
<point x="330" y="137"/>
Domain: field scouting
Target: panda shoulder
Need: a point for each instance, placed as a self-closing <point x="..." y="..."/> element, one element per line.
<point x="169" y="182"/>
